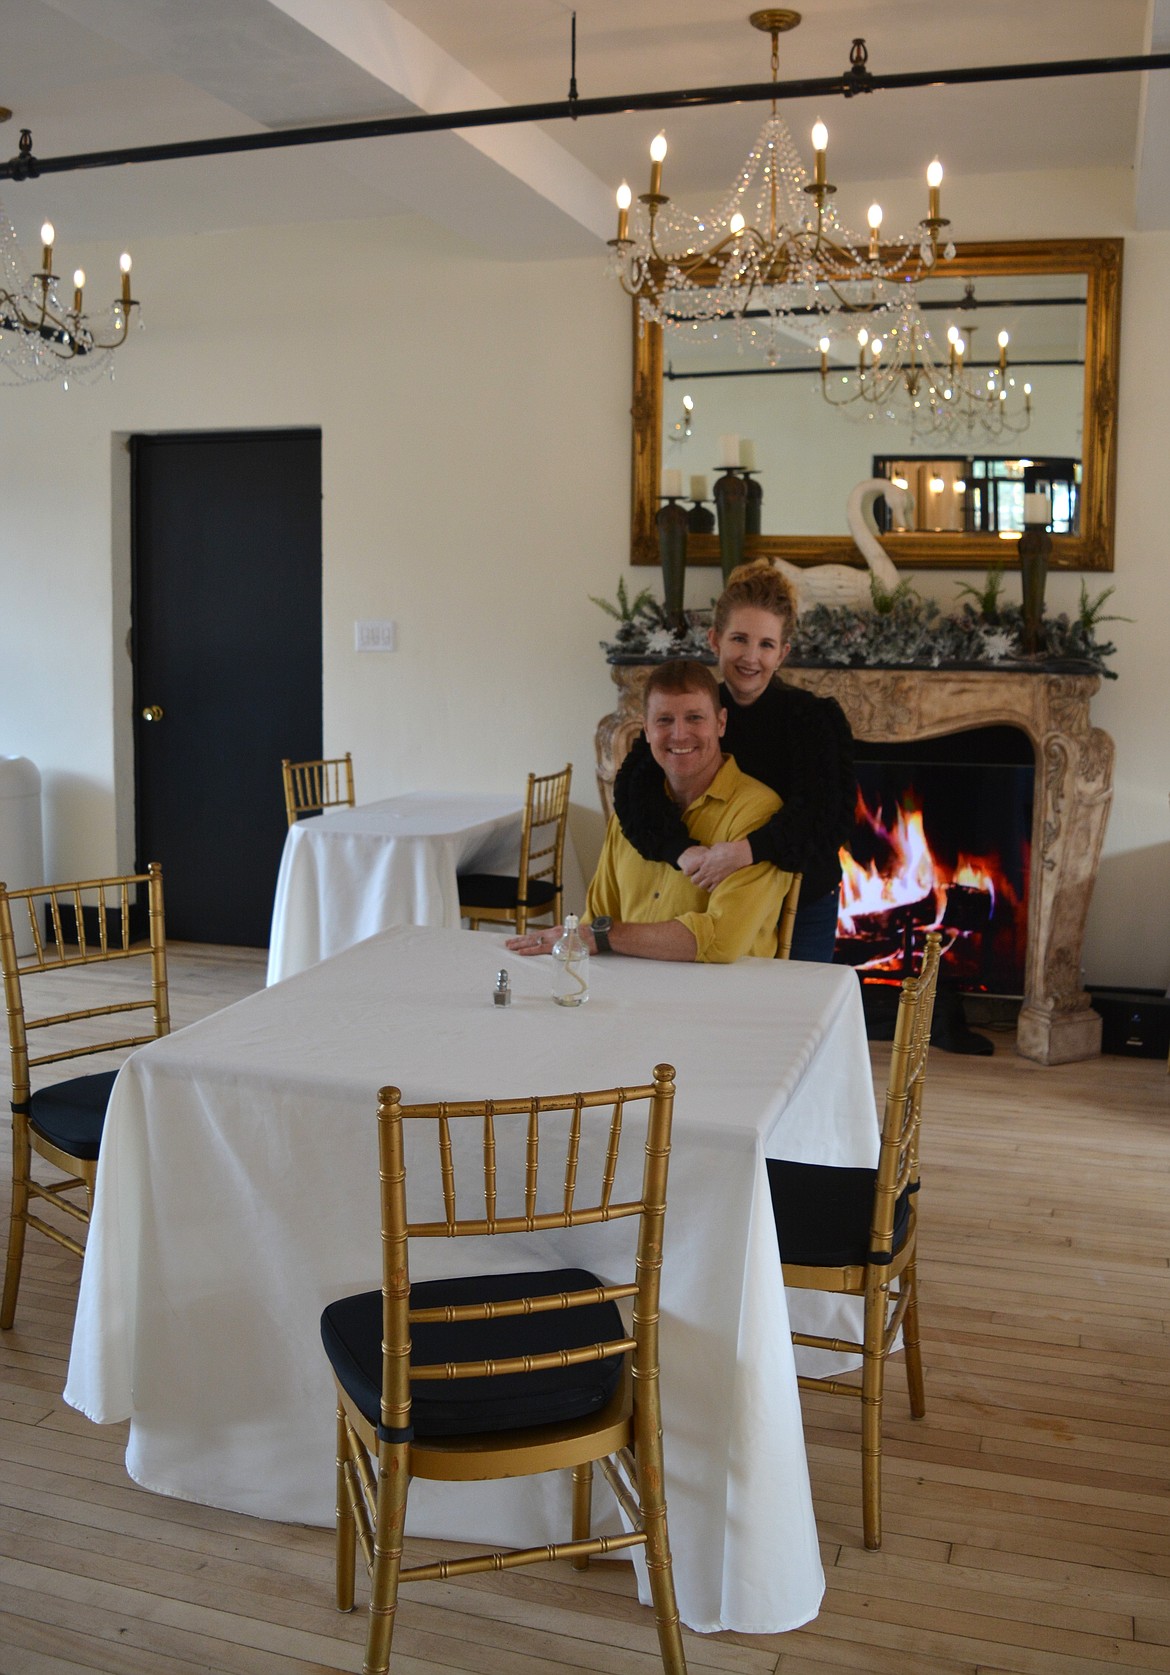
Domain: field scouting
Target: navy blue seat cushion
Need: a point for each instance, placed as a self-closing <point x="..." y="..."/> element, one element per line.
<point x="72" y="1114"/>
<point x="823" y="1214"/>
<point x="484" y="889"/>
<point x="351" y="1330"/>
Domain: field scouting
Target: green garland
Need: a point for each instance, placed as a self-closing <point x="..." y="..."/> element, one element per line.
<point x="903" y="630"/>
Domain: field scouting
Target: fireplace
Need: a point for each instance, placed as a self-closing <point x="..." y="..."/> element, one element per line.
<point x="1072" y="790"/>
<point x="942" y="841"/>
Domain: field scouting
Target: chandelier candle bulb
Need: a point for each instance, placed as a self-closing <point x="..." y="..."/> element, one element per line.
<point x="48" y="234"/>
<point x="934" y="176"/>
<point x="820" y="139"/>
<point x="672" y="484"/>
<point x="747" y="455"/>
<point x="875" y="226"/>
<point x="698" y="488"/>
<point x="624" y="199"/>
<point x="78" y="288"/>
<point x="657" y="155"/>
<point x="728" y="453"/>
<point x="125" y="264"/>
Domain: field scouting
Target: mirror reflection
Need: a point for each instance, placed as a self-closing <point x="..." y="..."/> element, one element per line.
<point x="1008" y="388"/>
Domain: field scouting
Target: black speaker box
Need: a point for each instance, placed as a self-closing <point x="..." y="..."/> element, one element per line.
<point x="1137" y="1022"/>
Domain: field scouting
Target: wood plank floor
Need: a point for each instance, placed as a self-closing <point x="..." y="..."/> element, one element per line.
<point x="1027" y="1516"/>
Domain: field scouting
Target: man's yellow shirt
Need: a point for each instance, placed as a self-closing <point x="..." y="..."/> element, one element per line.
<point x="737" y="917"/>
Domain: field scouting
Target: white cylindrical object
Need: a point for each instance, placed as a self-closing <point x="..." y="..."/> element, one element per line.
<point x="698" y="487"/>
<point x="22" y="855"/>
<point x="672" y="481"/>
<point x="747" y="455"/>
<point x="1037" y="508"/>
<point x="729" y="452"/>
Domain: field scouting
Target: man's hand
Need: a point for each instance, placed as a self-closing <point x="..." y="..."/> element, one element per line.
<point x="708" y="866"/>
<point x="540" y="942"/>
<point x="667" y="941"/>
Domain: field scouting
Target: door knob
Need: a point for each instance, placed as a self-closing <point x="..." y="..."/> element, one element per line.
<point x="152" y="712"/>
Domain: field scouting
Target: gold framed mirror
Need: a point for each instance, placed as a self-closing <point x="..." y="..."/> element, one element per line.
<point x="1078" y="426"/>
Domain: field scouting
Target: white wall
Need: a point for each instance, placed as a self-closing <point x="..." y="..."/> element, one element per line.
<point x="476" y="489"/>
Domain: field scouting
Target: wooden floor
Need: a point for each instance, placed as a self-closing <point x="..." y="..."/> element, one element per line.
<point x="1027" y="1516"/>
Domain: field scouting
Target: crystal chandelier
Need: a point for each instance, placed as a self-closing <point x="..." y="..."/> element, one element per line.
<point x="936" y="387"/>
<point x="775" y="247"/>
<point x="45" y="333"/>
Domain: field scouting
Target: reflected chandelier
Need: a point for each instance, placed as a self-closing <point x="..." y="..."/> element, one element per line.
<point x="908" y="376"/>
<point x="45" y="334"/>
<point x="775" y="246"/>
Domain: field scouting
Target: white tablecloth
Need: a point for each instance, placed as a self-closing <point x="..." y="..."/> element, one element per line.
<point x="351" y="872"/>
<point x="237" y="1195"/>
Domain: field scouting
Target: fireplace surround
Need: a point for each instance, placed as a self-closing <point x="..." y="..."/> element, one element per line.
<point x="1072" y="793"/>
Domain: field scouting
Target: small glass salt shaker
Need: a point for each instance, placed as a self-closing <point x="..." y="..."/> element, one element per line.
<point x="502" y="993"/>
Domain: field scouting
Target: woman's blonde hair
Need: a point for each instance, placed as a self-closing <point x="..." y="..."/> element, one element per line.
<point x="758" y="586"/>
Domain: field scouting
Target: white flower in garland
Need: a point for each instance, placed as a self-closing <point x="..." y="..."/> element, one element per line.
<point x="998" y="645"/>
<point x="662" y="640"/>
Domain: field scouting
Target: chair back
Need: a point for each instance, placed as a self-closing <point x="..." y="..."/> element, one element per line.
<point x="898" y="1160"/>
<point x="310" y="787"/>
<point x="474" y="1144"/>
<point x="787" y="923"/>
<point x="542" y="841"/>
<point x="74" y="927"/>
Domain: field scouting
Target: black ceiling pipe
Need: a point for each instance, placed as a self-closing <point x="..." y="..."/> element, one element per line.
<point x="28" y="167"/>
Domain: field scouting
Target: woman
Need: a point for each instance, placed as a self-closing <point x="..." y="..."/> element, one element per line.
<point x="797" y="743"/>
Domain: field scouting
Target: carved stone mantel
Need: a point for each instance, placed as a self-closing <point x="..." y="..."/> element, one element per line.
<point x="1073" y="790"/>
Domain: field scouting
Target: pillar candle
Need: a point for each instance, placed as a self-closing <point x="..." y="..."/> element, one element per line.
<point x="729" y="451"/>
<point x="672" y="482"/>
<point x="747" y="455"/>
<point x="1037" y="508"/>
<point x="698" y="488"/>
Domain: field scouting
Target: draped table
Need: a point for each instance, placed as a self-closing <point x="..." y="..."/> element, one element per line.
<point x="351" y="872"/>
<point x="237" y="1194"/>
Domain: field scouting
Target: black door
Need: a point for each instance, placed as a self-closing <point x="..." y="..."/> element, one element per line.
<point x="226" y="554"/>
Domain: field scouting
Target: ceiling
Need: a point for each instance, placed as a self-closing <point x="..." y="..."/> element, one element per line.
<point x="90" y="75"/>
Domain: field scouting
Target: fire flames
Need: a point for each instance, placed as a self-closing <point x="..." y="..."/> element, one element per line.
<point x="907" y="887"/>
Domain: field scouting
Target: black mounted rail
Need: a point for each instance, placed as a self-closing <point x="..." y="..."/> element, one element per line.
<point x="849" y="85"/>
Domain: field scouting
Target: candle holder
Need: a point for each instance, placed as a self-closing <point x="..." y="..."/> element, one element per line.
<point x="731" y="505"/>
<point x="1035" y="548"/>
<point x="672" y="555"/>
<point x="753" y="515"/>
<point x="700" y="519"/>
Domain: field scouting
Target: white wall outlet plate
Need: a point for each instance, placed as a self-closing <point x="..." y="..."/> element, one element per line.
<point x="375" y="636"/>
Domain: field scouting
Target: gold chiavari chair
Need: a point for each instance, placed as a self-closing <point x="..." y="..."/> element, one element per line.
<point x="536" y="892"/>
<point x="73" y="928"/>
<point x="310" y="787"/>
<point x="503" y="1375"/>
<point x="787" y="922"/>
<point x="855" y="1232"/>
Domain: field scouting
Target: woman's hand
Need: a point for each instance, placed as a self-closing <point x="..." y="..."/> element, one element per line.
<point x="708" y="866"/>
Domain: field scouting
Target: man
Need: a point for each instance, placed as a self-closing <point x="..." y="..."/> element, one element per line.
<point x="651" y="910"/>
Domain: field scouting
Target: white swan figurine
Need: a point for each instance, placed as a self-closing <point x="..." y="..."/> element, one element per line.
<point x="842" y="584"/>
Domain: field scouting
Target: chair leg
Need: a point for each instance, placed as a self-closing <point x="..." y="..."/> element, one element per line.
<point x="17" y="1222"/>
<point x="393" y="1483"/>
<point x="346" y="1535"/>
<point x="582" y="1509"/>
<point x="910" y="1343"/>
<point x="873" y="1369"/>
<point x="660" y="1573"/>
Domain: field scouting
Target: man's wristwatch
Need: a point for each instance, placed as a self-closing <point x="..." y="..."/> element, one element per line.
<point x="601" y="928"/>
